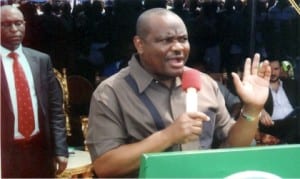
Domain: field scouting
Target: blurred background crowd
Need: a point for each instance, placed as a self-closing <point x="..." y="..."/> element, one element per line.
<point x="94" y="38"/>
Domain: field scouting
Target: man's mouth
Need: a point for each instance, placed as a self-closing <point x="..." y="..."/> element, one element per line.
<point x="176" y="62"/>
<point x="273" y="79"/>
<point x="15" y="38"/>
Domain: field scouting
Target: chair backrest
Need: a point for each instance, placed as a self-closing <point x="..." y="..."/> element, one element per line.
<point x="62" y="79"/>
<point x="80" y="92"/>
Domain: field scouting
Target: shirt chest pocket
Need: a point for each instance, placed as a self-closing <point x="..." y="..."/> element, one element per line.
<point x="207" y="135"/>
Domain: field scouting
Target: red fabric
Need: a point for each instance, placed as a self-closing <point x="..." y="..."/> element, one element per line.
<point x="24" y="103"/>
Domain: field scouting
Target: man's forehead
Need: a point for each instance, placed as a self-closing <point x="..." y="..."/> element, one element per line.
<point x="170" y="22"/>
<point x="172" y="33"/>
<point x="11" y="12"/>
<point x="275" y="64"/>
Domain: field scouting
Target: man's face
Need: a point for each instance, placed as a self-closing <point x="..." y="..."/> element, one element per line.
<point x="12" y="28"/>
<point x="164" y="51"/>
<point x="276" y="70"/>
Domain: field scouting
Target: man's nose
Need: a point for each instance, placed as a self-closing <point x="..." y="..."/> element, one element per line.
<point x="177" y="46"/>
<point x="13" y="27"/>
<point x="273" y="72"/>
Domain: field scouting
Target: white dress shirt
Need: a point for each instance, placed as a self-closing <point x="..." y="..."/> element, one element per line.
<point x="8" y="69"/>
<point x="281" y="104"/>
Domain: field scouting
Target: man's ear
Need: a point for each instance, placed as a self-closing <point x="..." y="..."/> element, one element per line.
<point x="138" y="43"/>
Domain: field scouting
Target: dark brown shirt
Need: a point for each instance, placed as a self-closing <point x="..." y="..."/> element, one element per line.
<point x="117" y="116"/>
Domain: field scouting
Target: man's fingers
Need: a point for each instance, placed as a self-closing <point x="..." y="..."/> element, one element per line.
<point x="62" y="164"/>
<point x="61" y="167"/>
<point x="267" y="121"/>
<point x="265" y="71"/>
<point x="192" y="137"/>
<point x="199" y="116"/>
<point x="251" y="68"/>
<point x="237" y="82"/>
<point x="255" y="64"/>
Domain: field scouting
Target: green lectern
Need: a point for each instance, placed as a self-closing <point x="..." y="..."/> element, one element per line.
<point x="280" y="161"/>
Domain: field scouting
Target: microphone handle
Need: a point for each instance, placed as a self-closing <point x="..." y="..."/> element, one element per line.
<point x="191" y="102"/>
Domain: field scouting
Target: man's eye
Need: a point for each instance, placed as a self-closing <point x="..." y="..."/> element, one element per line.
<point x="168" y="40"/>
<point x="19" y="23"/>
<point x="8" y="24"/>
<point x="5" y="24"/>
<point x="183" y="39"/>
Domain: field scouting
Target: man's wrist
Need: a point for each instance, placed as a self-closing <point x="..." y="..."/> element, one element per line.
<point x="249" y="117"/>
<point x="62" y="158"/>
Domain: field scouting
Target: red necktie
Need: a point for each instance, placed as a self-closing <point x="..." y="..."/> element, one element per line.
<point x="24" y="104"/>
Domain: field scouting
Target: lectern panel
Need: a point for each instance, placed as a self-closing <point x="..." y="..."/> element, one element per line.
<point x="280" y="160"/>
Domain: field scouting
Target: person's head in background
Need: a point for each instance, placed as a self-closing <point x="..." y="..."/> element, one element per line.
<point x="149" y="4"/>
<point x="12" y="27"/>
<point x="162" y="43"/>
<point x="108" y="6"/>
<point x="275" y="70"/>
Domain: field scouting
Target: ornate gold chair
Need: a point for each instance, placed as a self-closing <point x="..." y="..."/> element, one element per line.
<point x="62" y="79"/>
<point x="84" y="127"/>
<point x="79" y="163"/>
<point x="80" y="92"/>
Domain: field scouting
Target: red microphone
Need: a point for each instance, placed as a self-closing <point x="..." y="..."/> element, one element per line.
<point x="191" y="84"/>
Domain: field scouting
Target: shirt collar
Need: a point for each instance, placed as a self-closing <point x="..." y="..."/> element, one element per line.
<point x="5" y="51"/>
<point x="142" y="77"/>
<point x="280" y="82"/>
<point x="280" y="85"/>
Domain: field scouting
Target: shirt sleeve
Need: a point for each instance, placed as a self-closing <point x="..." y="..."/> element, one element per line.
<point x="106" y="129"/>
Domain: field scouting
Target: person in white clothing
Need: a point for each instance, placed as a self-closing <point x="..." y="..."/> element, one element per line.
<point x="281" y="115"/>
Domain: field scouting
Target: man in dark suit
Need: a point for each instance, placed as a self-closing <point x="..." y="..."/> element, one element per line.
<point x="281" y="115"/>
<point x="44" y="149"/>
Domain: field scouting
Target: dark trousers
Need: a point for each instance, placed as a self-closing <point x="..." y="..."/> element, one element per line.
<point x="28" y="159"/>
<point x="287" y="130"/>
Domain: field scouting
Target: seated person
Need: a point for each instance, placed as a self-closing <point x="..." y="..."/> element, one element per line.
<point x="232" y="102"/>
<point x="141" y="109"/>
<point x="277" y="119"/>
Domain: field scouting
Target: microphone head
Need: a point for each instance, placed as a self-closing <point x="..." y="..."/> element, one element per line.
<point x="191" y="79"/>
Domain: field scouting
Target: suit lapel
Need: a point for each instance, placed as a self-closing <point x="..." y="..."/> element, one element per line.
<point x="289" y="87"/>
<point x="34" y="63"/>
<point x="7" y="115"/>
<point x="5" y="95"/>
